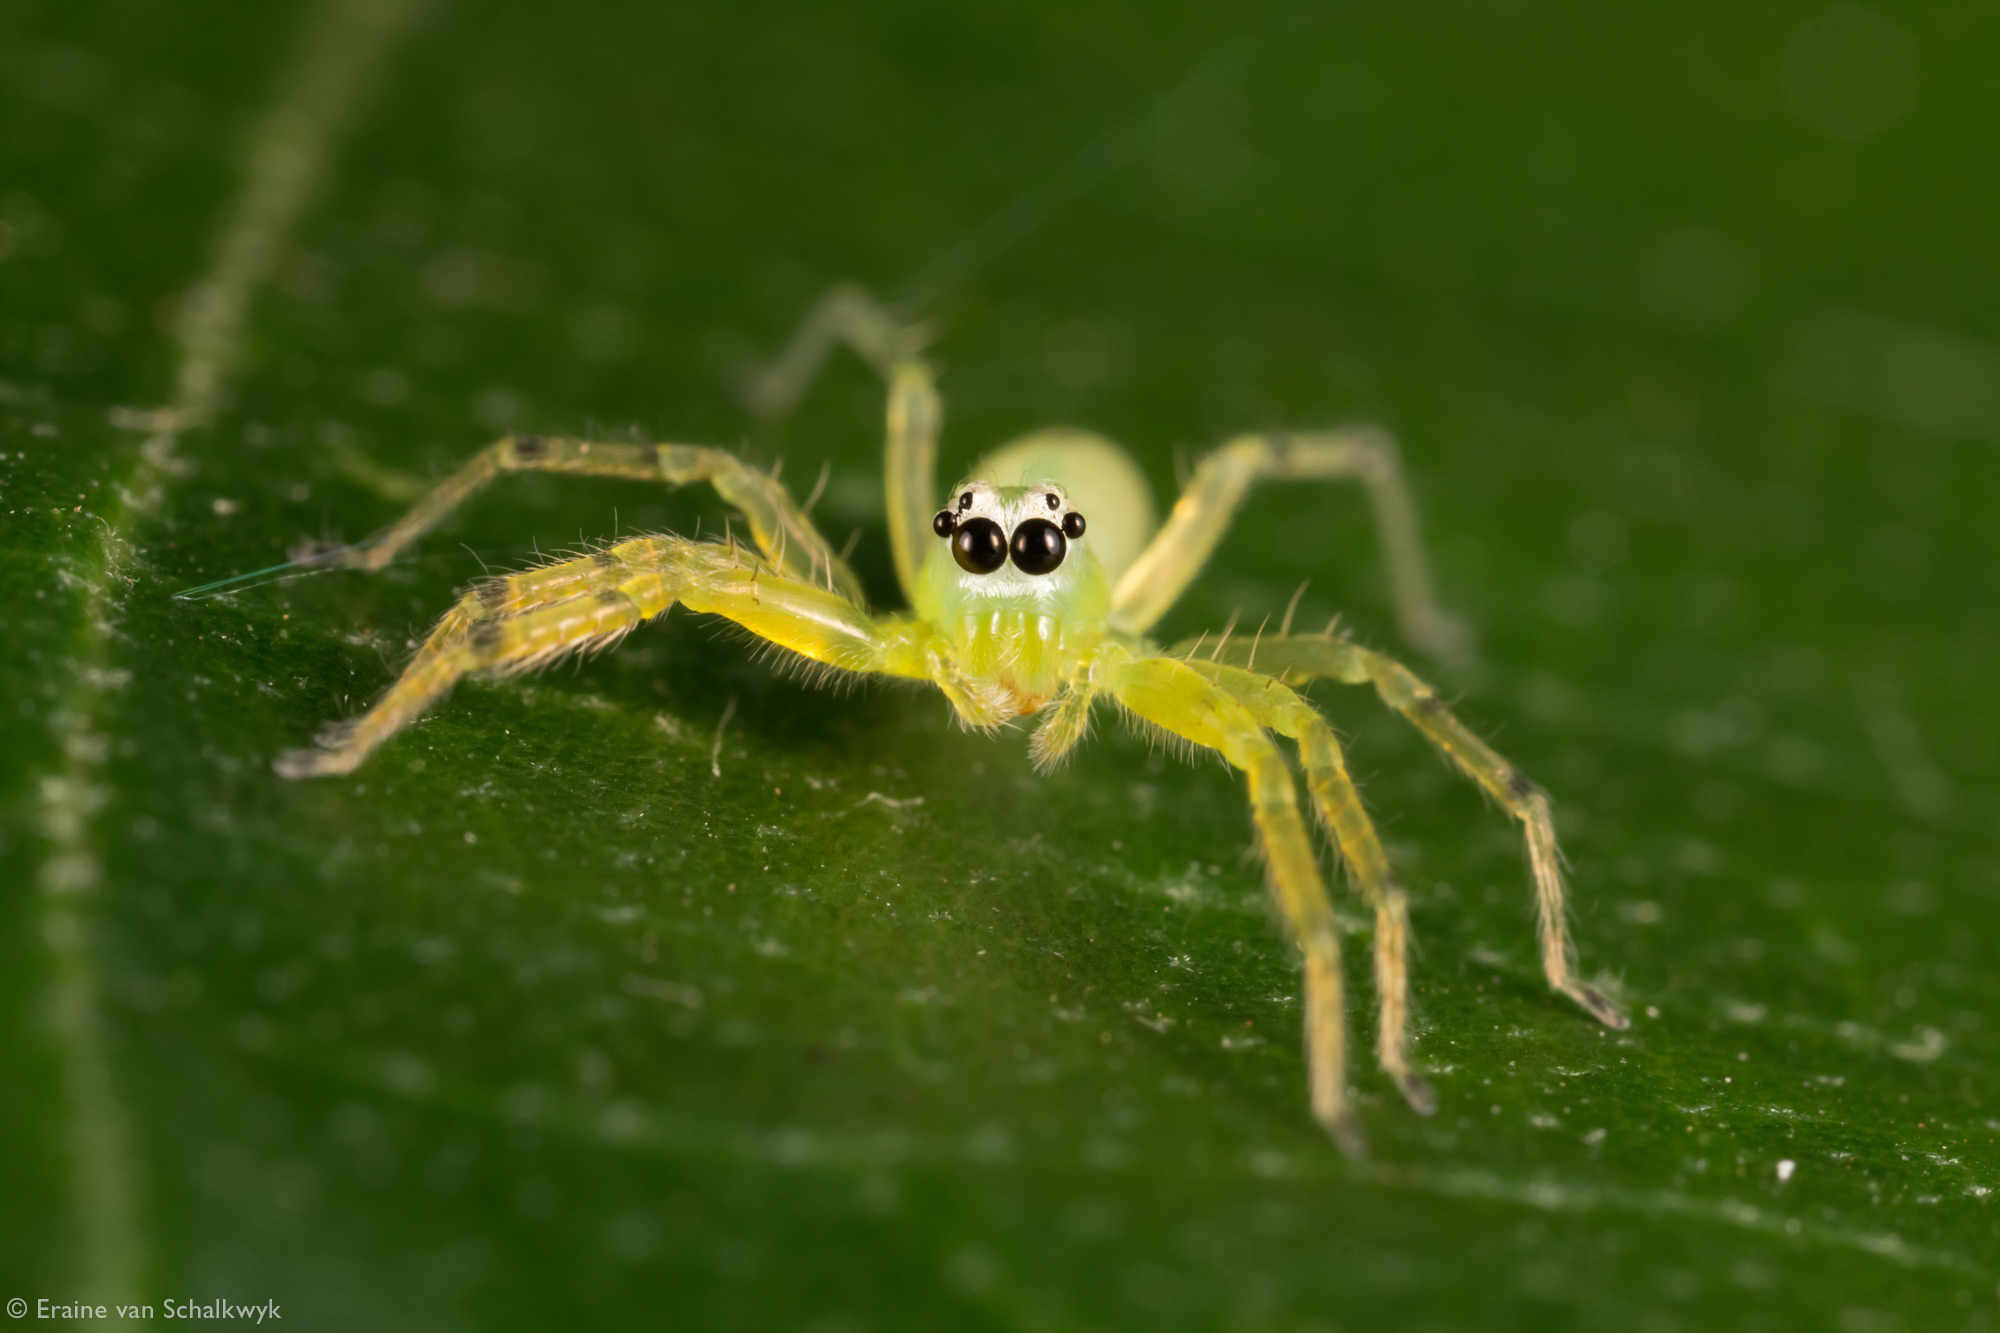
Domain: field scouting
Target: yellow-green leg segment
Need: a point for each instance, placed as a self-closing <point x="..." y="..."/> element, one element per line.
<point x="1201" y="515"/>
<point x="1183" y="702"/>
<point x="778" y="527"/>
<point x="521" y="621"/>
<point x="1339" y="807"/>
<point x="1295" y="659"/>
<point x="848" y="314"/>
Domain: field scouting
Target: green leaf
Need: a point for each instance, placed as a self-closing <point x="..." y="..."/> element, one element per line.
<point x="541" y="1020"/>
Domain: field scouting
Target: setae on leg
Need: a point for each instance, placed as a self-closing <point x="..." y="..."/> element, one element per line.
<point x="1302" y="657"/>
<point x="1180" y="701"/>
<point x="848" y="314"/>
<point x="779" y="527"/>
<point x="518" y="622"/>
<point x="1340" y="809"/>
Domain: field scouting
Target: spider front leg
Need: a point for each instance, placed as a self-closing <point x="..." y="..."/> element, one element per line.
<point x="779" y="528"/>
<point x="1181" y="701"/>
<point x="1299" y="658"/>
<point x="1166" y="567"/>
<point x="518" y="622"/>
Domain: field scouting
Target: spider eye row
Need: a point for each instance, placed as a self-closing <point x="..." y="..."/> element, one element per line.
<point x="980" y="547"/>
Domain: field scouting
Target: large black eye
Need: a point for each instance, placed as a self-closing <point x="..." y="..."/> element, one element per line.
<point x="1038" y="546"/>
<point x="979" y="546"/>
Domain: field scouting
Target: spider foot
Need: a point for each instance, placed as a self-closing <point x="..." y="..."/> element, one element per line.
<point x="313" y="763"/>
<point x="335" y="735"/>
<point x="1417" y="1091"/>
<point x="1345" y="1131"/>
<point x="1601" y="1006"/>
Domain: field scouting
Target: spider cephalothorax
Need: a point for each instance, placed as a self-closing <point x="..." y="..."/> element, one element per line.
<point x="1017" y="597"/>
<point x="1019" y="606"/>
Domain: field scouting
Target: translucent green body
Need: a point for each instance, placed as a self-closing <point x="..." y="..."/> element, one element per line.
<point x="1017" y="635"/>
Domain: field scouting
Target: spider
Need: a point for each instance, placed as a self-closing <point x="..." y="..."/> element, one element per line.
<point x="1031" y="592"/>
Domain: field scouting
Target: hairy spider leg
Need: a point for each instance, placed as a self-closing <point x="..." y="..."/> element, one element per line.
<point x="781" y="530"/>
<point x="518" y="622"/>
<point x="1340" y="809"/>
<point x="848" y="314"/>
<point x="1300" y="658"/>
<point x="1166" y="567"/>
<point x="1183" y="702"/>
<point x="1279" y="708"/>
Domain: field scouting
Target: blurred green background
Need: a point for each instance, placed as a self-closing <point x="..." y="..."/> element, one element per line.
<point x="1686" y="316"/>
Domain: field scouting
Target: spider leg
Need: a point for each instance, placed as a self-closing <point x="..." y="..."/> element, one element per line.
<point x="518" y="622"/>
<point x="1166" y="567"/>
<point x="1299" y="658"/>
<point x="848" y="314"/>
<point x="1339" y="807"/>
<point x="845" y="313"/>
<point x="1181" y="701"/>
<point x="780" y="529"/>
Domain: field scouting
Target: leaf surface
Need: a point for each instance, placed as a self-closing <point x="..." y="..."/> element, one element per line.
<point x="576" y="1007"/>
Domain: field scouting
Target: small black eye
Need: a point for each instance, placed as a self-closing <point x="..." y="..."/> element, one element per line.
<point x="1038" y="546"/>
<point x="1072" y="525"/>
<point x="965" y="502"/>
<point x="1055" y="501"/>
<point x="943" y="524"/>
<point x="979" y="546"/>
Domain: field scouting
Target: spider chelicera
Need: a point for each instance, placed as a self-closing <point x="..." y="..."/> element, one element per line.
<point x="1031" y="593"/>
